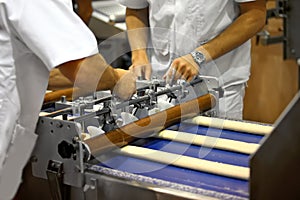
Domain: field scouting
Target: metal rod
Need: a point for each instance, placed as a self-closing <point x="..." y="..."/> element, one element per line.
<point x="149" y="125"/>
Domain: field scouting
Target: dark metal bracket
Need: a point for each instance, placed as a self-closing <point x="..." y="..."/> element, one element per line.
<point x="55" y="179"/>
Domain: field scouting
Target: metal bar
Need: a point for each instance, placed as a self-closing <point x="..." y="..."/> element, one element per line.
<point x="149" y="125"/>
<point x="55" y="179"/>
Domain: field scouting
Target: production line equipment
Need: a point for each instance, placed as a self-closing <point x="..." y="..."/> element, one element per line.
<point x="163" y="143"/>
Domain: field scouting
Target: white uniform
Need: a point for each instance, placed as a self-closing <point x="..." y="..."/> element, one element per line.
<point x="178" y="27"/>
<point x="35" y="36"/>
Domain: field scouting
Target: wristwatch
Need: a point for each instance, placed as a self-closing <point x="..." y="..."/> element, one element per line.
<point x="198" y="57"/>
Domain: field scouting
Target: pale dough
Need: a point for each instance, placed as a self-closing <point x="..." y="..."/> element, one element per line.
<point x="213" y="142"/>
<point x="232" y="125"/>
<point x="187" y="162"/>
<point x="85" y="136"/>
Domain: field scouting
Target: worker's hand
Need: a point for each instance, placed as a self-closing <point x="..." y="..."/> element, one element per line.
<point x="141" y="66"/>
<point x="141" y="69"/>
<point x="125" y="86"/>
<point x="182" y="68"/>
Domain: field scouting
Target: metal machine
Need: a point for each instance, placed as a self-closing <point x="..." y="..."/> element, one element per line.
<point x="64" y="165"/>
<point x="65" y="160"/>
<point x="274" y="167"/>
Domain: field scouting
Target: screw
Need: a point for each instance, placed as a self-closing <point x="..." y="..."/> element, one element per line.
<point x="59" y="125"/>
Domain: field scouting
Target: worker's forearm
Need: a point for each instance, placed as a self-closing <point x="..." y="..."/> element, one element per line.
<point x="57" y="81"/>
<point x="137" y="30"/>
<point x="241" y="30"/>
<point x="85" y="10"/>
<point x="90" y="74"/>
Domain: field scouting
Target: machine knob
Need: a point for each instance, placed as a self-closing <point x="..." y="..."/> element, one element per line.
<point x="66" y="150"/>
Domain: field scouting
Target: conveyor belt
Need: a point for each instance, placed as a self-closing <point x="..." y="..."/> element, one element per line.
<point x="186" y="179"/>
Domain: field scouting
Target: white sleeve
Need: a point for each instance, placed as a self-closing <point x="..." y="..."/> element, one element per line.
<point x="134" y="4"/>
<point x="53" y="31"/>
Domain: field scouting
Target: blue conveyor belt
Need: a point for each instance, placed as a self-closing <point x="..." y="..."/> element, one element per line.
<point x="226" y="134"/>
<point x="197" y="179"/>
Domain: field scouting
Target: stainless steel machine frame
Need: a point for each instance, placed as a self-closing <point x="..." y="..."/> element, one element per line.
<point x="275" y="166"/>
<point x="61" y="158"/>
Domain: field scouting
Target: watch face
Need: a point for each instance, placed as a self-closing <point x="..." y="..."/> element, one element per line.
<point x="198" y="57"/>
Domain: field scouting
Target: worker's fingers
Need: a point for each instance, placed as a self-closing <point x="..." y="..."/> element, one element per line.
<point x="170" y="76"/>
<point x="137" y="70"/>
<point x="148" y="71"/>
<point x="144" y="71"/>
